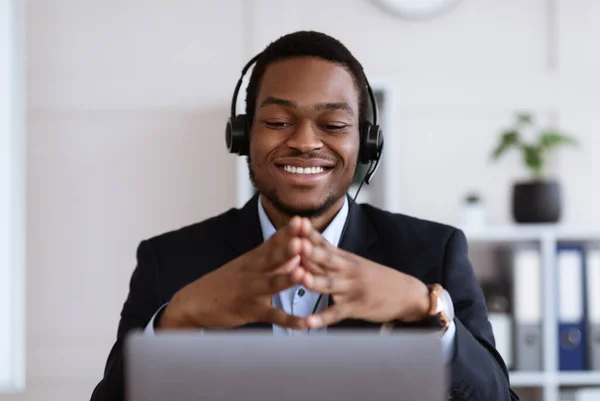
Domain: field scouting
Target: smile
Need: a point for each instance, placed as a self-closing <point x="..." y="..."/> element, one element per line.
<point x="303" y="175"/>
<point x="304" y="170"/>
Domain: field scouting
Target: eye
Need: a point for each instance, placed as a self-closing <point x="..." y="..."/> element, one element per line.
<point x="335" y="127"/>
<point x="276" y="124"/>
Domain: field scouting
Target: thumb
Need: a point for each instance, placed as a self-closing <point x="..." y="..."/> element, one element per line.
<point x="269" y="314"/>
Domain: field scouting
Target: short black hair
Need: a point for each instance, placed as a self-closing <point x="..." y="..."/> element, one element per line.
<point x="307" y="44"/>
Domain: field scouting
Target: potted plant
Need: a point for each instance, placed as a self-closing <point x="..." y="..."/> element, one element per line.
<point x="537" y="200"/>
<point x="473" y="211"/>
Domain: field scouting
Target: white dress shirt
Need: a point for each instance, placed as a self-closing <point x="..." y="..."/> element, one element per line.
<point x="299" y="301"/>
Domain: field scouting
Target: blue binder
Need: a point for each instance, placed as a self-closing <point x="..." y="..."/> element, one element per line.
<point x="571" y="308"/>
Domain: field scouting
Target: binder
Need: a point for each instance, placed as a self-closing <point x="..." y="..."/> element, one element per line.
<point x="587" y="394"/>
<point x="584" y="394"/>
<point x="497" y="299"/>
<point x="571" y="315"/>
<point x="593" y="306"/>
<point x="527" y="306"/>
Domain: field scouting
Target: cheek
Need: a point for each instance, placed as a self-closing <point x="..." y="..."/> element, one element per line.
<point x="348" y="150"/>
<point x="261" y="144"/>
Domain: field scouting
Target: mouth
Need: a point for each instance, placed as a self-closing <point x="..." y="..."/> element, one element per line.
<point x="304" y="170"/>
<point x="304" y="175"/>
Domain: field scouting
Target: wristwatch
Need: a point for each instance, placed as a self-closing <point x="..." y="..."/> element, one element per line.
<point x="441" y="309"/>
<point x="439" y="315"/>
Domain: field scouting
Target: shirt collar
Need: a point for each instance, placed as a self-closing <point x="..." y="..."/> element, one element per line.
<point x="332" y="233"/>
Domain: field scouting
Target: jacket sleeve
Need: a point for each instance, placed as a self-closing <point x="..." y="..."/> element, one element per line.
<point x="478" y="370"/>
<point x="142" y="302"/>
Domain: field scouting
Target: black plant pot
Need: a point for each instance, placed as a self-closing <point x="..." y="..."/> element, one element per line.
<point x="537" y="202"/>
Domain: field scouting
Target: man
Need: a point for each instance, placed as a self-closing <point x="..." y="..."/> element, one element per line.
<point x="276" y="262"/>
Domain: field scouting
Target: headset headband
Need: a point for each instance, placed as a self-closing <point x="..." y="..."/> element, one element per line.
<point x="249" y="64"/>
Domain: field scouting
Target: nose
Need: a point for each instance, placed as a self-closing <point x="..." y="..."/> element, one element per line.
<point x="305" y="139"/>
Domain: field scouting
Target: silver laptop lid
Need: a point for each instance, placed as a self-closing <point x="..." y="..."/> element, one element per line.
<point x="239" y="365"/>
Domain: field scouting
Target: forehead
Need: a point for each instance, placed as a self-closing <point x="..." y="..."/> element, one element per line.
<point x="308" y="80"/>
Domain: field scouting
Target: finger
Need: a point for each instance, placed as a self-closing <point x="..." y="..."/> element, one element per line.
<point x="312" y="267"/>
<point x="287" y="266"/>
<point x="276" y="282"/>
<point x="280" y="318"/>
<point x="313" y="235"/>
<point x="327" y="284"/>
<point x="327" y="259"/>
<point x="329" y="316"/>
<point x="306" y="262"/>
<point x="291" y="229"/>
<point x="283" y="245"/>
<point x="274" y="255"/>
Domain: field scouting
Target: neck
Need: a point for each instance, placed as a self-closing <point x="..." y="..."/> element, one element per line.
<point x="280" y="219"/>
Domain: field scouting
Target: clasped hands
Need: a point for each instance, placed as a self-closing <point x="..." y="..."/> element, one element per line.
<point x="240" y="292"/>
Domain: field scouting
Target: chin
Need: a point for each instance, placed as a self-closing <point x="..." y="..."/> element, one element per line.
<point x="311" y="206"/>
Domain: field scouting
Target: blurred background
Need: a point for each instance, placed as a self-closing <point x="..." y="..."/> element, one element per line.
<point x="121" y="137"/>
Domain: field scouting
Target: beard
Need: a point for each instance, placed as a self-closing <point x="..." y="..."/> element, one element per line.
<point x="289" y="210"/>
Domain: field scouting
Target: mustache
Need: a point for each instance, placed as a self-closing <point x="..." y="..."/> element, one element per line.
<point x="315" y="154"/>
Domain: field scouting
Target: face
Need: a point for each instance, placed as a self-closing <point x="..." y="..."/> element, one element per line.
<point x="304" y="139"/>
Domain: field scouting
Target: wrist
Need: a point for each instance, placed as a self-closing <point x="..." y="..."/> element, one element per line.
<point x="432" y="307"/>
<point x="422" y="302"/>
<point x="169" y="318"/>
<point x="419" y="304"/>
<point x="163" y="320"/>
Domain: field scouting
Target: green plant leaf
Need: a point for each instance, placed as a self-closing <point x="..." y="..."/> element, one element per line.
<point x="552" y="139"/>
<point x="508" y="139"/>
<point x="533" y="158"/>
<point x="524" y="118"/>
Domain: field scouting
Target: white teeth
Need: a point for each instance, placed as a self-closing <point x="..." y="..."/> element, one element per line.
<point x="303" y="170"/>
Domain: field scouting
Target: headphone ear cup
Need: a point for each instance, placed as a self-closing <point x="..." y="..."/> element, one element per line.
<point x="236" y="135"/>
<point x="371" y="142"/>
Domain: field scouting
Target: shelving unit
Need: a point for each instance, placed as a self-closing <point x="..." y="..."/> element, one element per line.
<point x="541" y="379"/>
<point x="547" y="236"/>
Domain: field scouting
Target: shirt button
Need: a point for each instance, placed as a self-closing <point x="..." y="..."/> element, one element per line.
<point x="301" y="292"/>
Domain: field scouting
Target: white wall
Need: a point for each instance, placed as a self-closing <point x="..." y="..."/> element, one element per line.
<point x="127" y="103"/>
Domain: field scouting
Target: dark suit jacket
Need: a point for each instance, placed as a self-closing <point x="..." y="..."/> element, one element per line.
<point x="429" y="251"/>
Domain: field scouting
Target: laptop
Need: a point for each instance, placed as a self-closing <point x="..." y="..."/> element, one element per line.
<point x="249" y="365"/>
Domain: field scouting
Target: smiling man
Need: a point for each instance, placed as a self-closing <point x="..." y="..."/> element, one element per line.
<point x="305" y="144"/>
<point x="300" y="257"/>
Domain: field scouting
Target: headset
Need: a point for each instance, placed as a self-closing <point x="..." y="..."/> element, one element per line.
<point x="237" y="131"/>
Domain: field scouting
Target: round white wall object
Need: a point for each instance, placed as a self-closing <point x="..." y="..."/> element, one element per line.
<point x="417" y="9"/>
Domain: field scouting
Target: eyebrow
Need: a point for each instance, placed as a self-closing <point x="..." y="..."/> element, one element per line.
<point x="319" y="107"/>
<point x="335" y="106"/>
<point x="278" y="101"/>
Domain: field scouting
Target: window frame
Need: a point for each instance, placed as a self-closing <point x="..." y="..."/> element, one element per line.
<point x="12" y="199"/>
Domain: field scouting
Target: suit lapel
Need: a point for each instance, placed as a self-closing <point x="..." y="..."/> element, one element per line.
<point x="246" y="233"/>
<point x="359" y="237"/>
